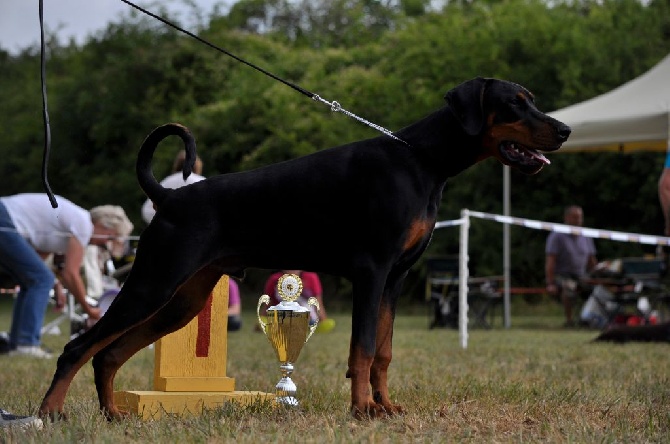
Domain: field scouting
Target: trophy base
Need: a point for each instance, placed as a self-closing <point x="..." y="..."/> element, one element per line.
<point x="287" y="400"/>
<point x="285" y="389"/>
<point x="154" y="404"/>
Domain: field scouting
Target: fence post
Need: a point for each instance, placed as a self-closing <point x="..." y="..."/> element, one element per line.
<point x="464" y="275"/>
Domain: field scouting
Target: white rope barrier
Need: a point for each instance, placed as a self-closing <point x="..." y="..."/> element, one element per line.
<point x="584" y="231"/>
<point x="449" y="223"/>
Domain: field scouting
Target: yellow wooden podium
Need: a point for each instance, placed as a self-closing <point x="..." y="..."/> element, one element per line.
<point x="190" y="367"/>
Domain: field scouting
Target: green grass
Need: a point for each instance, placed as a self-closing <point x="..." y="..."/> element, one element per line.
<point x="532" y="383"/>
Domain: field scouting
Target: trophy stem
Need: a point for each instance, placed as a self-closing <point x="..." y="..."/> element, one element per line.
<point x="285" y="388"/>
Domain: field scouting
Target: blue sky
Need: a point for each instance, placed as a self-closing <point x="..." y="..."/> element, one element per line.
<point x="19" y="19"/>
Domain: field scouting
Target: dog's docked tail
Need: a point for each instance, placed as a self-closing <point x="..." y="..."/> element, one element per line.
<point x="152" y="188"/>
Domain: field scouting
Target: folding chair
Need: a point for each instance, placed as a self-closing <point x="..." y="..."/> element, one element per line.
<point x="442" y="282"/>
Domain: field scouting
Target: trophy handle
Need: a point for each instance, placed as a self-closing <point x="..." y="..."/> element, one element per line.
<point x="265" y="299"/>
<point x="313" y="301"/>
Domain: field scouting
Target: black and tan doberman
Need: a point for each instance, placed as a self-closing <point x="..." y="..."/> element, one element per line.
<point x="364" y="211"/>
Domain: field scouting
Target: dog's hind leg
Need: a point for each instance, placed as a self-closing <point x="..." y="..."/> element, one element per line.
<point x="75" y="354"/>
<point x="141" y="296"/>
<point x="182" y="307"/>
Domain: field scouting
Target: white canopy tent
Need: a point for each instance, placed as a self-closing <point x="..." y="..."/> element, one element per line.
<point x="632" y="117"/>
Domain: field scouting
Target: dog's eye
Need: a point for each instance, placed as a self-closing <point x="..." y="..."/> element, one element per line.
<point x="519" y="102"/>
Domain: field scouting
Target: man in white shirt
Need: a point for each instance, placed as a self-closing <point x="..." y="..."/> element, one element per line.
<point x="31" y="229"/>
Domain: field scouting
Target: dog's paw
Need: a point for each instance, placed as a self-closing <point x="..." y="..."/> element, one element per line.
<point x="386" y="404"/>
<point x="367" y="412"/>
<point x="373" y="410"/>
<point x="113" y="413"/>
<point x="52" y="416"/>
<point x="394" y="409"/>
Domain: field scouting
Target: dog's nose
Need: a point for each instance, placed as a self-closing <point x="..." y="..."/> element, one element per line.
<point x="563" y="132"/>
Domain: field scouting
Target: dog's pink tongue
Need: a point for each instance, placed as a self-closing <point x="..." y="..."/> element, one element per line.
<point x="539" y="156"/>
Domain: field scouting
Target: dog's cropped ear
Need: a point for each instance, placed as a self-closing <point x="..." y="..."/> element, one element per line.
<point x="467" y="103"/>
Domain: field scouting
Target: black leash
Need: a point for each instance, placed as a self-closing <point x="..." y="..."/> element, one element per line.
<point x="45" y="113"/>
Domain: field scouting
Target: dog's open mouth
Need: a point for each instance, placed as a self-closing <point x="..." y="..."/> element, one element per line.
<point x="523" y="158"/>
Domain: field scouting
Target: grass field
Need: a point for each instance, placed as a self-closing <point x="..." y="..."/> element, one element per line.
<point x="532" y="383"/>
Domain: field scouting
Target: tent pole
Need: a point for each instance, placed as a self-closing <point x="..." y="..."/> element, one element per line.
<point x="506" y="247"/>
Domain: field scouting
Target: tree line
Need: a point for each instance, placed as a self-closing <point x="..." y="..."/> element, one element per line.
<point x="390" y="62"/>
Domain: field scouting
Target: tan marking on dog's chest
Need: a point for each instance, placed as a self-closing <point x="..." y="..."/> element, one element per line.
<point x="418" y="230"/>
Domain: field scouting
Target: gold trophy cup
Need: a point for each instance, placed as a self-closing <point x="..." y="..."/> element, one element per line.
<point x="287" y="328"/>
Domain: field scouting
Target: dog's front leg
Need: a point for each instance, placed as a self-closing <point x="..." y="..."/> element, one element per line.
<point x="378" y="372"/>
<point x="367" y="296"/>
<point x="362" y="404"/>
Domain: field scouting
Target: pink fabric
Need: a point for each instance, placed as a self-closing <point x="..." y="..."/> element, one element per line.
<point x="233" y="292"/>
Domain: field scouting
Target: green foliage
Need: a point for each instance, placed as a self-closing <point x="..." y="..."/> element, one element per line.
<point x="387" y="61"/>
